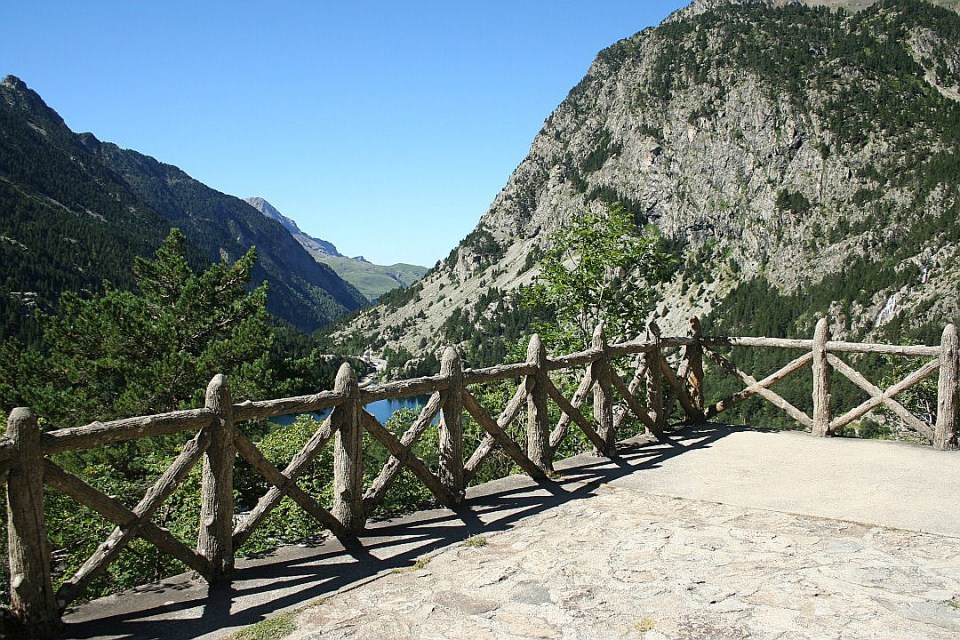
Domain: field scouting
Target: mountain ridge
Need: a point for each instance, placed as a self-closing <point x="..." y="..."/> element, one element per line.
<point x="797" y="158"/>
<point x="77" y="210"/>
<point x="370" y="279"/>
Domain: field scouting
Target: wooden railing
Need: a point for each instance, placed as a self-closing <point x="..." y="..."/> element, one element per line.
<point x="26" y="464"/>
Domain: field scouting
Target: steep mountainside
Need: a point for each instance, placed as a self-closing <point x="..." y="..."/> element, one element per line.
<point x="75" y="211"/>
<point x="802" y="161"/>
<point x="373" y="280"/>
<point x="66" y="221"/>
<point x="314" y="246"/>
<point x="303" y="292"/>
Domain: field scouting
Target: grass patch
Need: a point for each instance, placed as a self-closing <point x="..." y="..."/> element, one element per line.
<point x="273" y="628"/>
<point x="644" y="625"/>
<point x="476" y="542"/>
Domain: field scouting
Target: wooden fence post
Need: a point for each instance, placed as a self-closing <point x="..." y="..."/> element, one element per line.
<point x="654" y="379"/>
<point x="821" y="380"/>
<point x="538" y="427"/>
<point x="694" y="356"/>
<point x="215" y="540"/>
<point x="32" y="600"/>
<point x="945" y="435"/>
<point x="451" y="425"/>
<point x="603" y="394"/>
<point x="348" y="453"/>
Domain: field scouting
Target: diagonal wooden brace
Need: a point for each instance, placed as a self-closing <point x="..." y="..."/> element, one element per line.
<point x="378" y="490"/>
<point x="878" y="397"/>
<point x="579" y="397"/>
<point x="107" y="552"/>
<point x="116" y="512"/>
<point x="638" y="410"/>
<point x="286" y="486"/>
<point x="412" y="462"/>
<point x="693" y="412"/>
<point x="294" y="469"/>
<point x="488" y="443"/>
<point x="576" y="415"/>
<point x="506" y="443"/>
<point x="760" y="388"/>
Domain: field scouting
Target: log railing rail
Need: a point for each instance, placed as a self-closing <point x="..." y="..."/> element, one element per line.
<point x="26" y="464"/>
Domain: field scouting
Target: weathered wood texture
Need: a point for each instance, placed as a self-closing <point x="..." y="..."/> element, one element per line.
<point x="945" y="436"/>
<point x="639" y="376"/>
<point x="391" y="469"/>
<point x="878" y="397"/>
<point x="576" y="402"/>
<point x="603" y="395"/>
<point x="294" y="469"/>
<point x="348" y="454"/>
<point x="760" y="387"/>
<point x="215" y="539"/>
<point x="487" y="445"/>
<point x="574" y="413"/>
<point x="451" y="426"/>
<point x="693" y="356"/>
<point x="264" y="409"/>
<point x="641" y="412"/>
<point x="500" y="436"/>
<point x="108" y="550"/>
<point x="538" y="425"/>
<point x="654" y="384"/>
<point x="24" y="469"/>
<point x="114" y="511"/>
<point x="579" y="359"/>
<point x="403" y="389"/>
<point x="100" y="433"/>
<point x="417" y="466"/>
<point x="780" y="343"/>
<point x="821" y="380"/>
<point x="32" y="600"/>
<point x="286" y="487"/>
<point x="694" y="414"/>
<point x="499" y="372"/>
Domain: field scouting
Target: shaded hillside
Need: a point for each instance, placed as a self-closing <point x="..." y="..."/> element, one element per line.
<point x="373" y="280"/>
<point x="306" y="294"/>
<point x="75" y="212"/>
<point x="67" y="222"/>
<point x="800" y="161"/>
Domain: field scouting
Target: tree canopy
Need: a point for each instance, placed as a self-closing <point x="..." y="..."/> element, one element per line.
<point x="121" y="353"/>
<point x="601" y="267"/>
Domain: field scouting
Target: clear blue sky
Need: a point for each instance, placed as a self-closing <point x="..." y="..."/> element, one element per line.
<point x="386" y="128"/>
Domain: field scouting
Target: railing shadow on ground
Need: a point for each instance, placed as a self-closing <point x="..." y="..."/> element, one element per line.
<point x="183" y="608"/>
<point x="666" y="372"/>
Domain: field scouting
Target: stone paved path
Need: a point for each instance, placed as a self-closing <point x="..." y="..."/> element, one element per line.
<point x="626" y="564"/>
<point x="722" y="533"/>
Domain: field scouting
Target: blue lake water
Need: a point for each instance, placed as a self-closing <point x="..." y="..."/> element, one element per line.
<point x="381" y="409"/>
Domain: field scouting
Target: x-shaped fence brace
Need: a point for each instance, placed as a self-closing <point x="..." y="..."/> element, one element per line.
<point x="449" y="398"/>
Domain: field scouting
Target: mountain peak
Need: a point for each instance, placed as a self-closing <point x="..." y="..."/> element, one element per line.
<point x="22" y="98"/>
<point x="13" y="82"/>
<point x="310" y="243"/>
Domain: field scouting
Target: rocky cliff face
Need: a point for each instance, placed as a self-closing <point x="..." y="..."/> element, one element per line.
<point x="795" y="156"/>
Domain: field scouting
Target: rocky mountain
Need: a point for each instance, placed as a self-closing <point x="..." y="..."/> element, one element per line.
<point x="372" y="280"/>
<point x="315" y="246"/>
<point x="800" y="159"/>
<point x="75" y="211"/>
